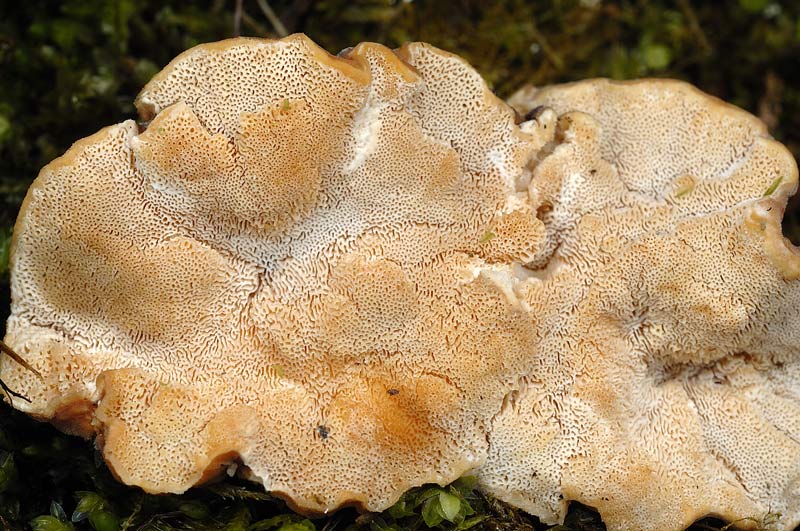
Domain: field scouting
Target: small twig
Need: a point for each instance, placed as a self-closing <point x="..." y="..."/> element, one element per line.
<point x="5" y="349"/>
<point x="280" y="29"/>
<point x="694" y="26"/>
<point x="549" y="52"/>
<point x="10" y="392"/>
<point x="237" y="18"/>
<point x="257" y="29"/>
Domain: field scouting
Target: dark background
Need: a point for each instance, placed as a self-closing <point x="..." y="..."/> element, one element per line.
<point x="69" y="68"/>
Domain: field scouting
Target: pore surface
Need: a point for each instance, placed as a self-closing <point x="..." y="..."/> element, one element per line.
<point x="279" y="270"/>
<point x="667" y="387"/>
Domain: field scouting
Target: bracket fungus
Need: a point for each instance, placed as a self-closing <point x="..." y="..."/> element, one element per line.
<point x="353" y="275"/>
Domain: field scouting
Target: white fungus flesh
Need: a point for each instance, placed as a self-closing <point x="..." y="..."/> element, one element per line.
<point x="355" y="275"/>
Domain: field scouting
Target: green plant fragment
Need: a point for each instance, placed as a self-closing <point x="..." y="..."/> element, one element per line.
<point x="432" y="512"/>
<point x="50" y="523"/>
<point x="684" y="190"/>
<point x="57" y="511"/>
<point x="753" y="6"/>
<point x="271" y="523"/>
<point x="401" y="509"/>
<point x="656" y="56"/>
<point x="304" y="525"/>
<point x="104" y="521"/>
<point x="228" y="491"/>
<point x="773" y="187"/>
<point x="450" y="504"/>
<point x="471" y="522"/>
<point x="88" y="502"/>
